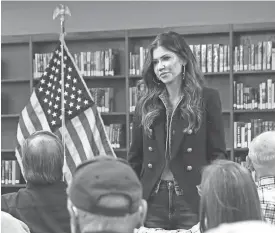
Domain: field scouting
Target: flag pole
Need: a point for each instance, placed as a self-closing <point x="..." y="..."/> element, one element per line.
<point x="61" y="11"/>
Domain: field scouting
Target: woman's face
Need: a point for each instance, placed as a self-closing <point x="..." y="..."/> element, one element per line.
<point x="167" y="65"/>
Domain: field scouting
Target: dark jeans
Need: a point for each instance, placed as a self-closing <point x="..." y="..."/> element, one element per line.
<point x="168" y="211"/>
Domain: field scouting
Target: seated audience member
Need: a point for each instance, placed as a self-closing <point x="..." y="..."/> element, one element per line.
<point x="243" y="227"/>
<point x="9" y="224"/>
<point x="105" y="195"/>
<point x="228" y="194"/>
<point x="262" y="158"/>
<point x="42" y="205"/>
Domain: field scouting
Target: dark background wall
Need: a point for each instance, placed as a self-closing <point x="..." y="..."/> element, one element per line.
<point x="36" y="17"/>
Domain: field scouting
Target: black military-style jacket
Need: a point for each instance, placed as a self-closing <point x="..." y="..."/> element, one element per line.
<point x="190" y="150"/>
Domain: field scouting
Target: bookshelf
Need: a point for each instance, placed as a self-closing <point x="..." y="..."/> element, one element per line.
<point x="18" y="80"/>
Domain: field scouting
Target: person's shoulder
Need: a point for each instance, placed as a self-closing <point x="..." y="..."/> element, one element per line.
<point x="11" y="224"/>
<point x="8" y="196"/>
<point x="12" y="200"/>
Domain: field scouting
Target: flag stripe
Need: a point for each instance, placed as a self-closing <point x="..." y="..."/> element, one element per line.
<point x="91" y="118"/>
<point x="20" y="137"/>
<point x="23" y="129"/>
<point x="28" y="123"/>
<point x="89" y="133"/>
<point x="70" y="162"/>
<point x="105" y="143"/>
<point x="33" y="117"/>
<point x="39" y="112"/>
<point x="82" y="134"/>
<point x="76" y="140"/>
<point x="71" y="146"/>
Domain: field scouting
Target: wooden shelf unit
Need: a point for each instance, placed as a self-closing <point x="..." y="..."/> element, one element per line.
<point x="17" y="68"/>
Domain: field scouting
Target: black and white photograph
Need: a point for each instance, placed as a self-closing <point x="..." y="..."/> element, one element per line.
<point x="137" y="116"/>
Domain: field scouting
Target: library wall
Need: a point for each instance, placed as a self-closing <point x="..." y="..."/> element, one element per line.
<point x="36" y="17"/>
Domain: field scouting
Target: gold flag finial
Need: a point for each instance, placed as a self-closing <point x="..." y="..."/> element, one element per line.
<point x="61" y="11"/>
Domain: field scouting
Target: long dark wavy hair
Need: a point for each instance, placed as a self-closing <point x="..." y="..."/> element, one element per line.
<point x="228" y="194"/>
<point x="149" y="107"/>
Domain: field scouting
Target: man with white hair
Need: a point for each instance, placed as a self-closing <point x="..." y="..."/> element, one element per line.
<point x="42" y="205"/>
<point x="262" y="158"/>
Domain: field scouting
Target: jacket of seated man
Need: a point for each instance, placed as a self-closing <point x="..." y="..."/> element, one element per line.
<point x="42" y="207"/>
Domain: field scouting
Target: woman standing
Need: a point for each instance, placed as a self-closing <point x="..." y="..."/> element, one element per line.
<point x="178" y="129"/>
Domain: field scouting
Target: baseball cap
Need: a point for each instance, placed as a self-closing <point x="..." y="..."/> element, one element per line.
<point x="101" y="178"/>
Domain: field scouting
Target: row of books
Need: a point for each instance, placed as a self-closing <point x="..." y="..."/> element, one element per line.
<point x="117" y="135"/>
<point x="90" y="63"/>
<point x="246" y="97"/>
<point x="10" y="172"/>
<point x="259" y="56"/>
<point x="103" y="98"/>
<point x="137" y="61"/>
<point x="244" y="132"/>
<point x="210" y="58"/>
<point x="98" y="63"/>
<point x="134" y="95"/>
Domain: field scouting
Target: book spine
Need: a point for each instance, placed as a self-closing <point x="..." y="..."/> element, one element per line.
<point x="235" y="134"/>
<point x="225" y="58"/>
<point x="252" y="57"/>
<point x="260" y="55"/>
<point x="221" y="58"/>
<point x="235" y="58"/>
<point x="203" y="58"/>
<point x="273" y="55"/>
<point x="209" y="58"/>
<point x="241" y="57"/>
<point x="216" y="58"/>
<point x="249" y="139"/>
<point x="268" y="55"/>
<point x="273" y="94"/>
<point x="264" y="55"/>
<point x="234" y="94"/>
<point x="239" y="143"/>
<point x="269" y="93"/>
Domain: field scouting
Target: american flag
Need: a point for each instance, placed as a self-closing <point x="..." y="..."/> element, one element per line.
<point x="84" y="131"/>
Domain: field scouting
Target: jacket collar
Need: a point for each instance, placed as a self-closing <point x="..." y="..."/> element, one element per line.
<point x="164" y="97"/>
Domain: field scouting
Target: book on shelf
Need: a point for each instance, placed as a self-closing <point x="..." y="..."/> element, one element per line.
<point x="244" y="132"/>
<point x="212" y="58"/>
<point x="246" y="97"/>
<point x="136" y="61"/>
<point x="254" y="56"/>
<point x="131" y="133"/>
<point x="90" y="63"/>
<point x="10" y="172"/>
<point x="116" y="134"/>
<point x="103" y="98"/>
<point x="134" y="95"/>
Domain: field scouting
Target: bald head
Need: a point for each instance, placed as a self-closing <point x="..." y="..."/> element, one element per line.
<point x="42" y="158"/>
<point x="262" y="152"/>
